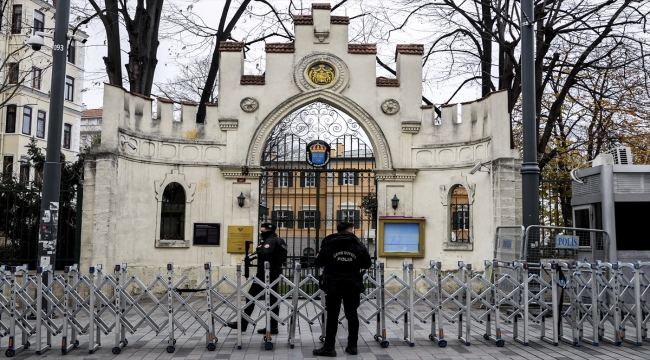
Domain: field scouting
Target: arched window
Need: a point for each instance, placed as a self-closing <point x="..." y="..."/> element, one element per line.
<point x="460" y="214"/>
<point x="172" y="214"/>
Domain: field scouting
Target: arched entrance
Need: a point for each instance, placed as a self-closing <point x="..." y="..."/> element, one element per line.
<point x="318" y="171"/>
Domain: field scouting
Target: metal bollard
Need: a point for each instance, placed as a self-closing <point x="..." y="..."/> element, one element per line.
<point x="268" y="344"/>
<point x="294" y="303"/>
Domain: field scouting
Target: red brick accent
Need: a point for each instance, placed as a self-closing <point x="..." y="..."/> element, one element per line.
<point x="191" y="103"/>
<point x="362" y="48"/>
<point x="303" y="20"/>
<point x="415" y="49"/>
<point x="309" y="20"/>
<point x="231" y="46"/>
<point x="321" y="6"/>
<point x="211" y="104"/>
<point x="252" y="80"/>
<point x="165" y="100"/>
<point x="342" y="20"/>
<point x="280" y="47"/>
<point x="387" y="82"/>
<point x="427" y="106"/>
<point x="92" y="113"/>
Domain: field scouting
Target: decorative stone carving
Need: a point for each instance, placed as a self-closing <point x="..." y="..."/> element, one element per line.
<point x="390" y="107"/>
<point x="249" y="104"/>
<point x="411" y="127"/>
<point x="228" y="124"/>
<point x="333" y="75"/>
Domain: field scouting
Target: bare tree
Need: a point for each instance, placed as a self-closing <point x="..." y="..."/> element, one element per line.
<point x="188" y="84"/>
<point x="568" y="33"/>
<point x="141" y="23"/>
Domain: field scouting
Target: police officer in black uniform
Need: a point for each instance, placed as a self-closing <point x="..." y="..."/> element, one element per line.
<point x="273" y="249"/>
<point x="343" y="256"/>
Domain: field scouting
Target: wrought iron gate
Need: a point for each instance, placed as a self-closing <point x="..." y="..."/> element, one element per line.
<point x="307" y="201"/>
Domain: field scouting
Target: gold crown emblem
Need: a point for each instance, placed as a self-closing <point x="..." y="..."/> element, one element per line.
<point x="318" y="148"/>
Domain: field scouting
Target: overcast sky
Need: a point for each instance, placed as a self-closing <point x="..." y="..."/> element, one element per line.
<point x="169" y="47"/>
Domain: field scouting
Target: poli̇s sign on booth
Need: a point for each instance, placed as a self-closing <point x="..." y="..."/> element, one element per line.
<point x="567" y="242"/>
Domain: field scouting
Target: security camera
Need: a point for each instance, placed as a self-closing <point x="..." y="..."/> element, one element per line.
<point x="36" y="42"/>
<point x="131" y="145"/>
<point x="476" y="168"/>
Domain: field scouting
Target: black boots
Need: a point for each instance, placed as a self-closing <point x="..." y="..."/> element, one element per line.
<point x="325" y="351"/>
<point x="263" y="331"/>
<point x="352" y="350"/>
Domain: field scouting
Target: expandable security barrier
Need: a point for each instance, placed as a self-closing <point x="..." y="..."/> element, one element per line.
<point x="555" y="301"/>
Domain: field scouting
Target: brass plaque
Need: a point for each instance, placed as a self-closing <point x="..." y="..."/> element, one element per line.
<point x="237" y="237"/>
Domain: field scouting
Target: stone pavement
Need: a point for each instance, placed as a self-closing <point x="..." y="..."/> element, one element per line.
<point x="146" y="344"/>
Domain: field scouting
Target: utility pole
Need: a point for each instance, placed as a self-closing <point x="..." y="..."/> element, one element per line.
<point x="47" y="235"/>
<point x="529" y="168"/>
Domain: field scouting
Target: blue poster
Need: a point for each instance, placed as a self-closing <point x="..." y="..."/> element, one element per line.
<point x="401" y="237"/>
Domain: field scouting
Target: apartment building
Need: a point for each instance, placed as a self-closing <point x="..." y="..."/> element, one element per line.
<point x="25" y="86"/>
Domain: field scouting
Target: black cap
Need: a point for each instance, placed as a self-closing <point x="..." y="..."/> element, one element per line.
<point x="268" y="226"/>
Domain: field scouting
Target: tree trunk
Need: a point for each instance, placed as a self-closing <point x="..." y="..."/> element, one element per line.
<point x="486" y="58"/>
<point x="143" y="37"/>
<point x="113" y="58"/>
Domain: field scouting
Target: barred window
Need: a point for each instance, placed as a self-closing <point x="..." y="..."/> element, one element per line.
<point x="460" y="215"/>
<point x="172" y="216"/>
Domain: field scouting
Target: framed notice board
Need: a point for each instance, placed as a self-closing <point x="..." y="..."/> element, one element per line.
<point x="401" y="237"/>
<point x="237" y="237"/>
<point x="207" y="234"/>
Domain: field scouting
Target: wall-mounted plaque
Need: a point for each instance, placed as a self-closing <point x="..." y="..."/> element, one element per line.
<point x="237" y="237"/>
<point x="401" y="237"/>
<point x="207" y="234"/>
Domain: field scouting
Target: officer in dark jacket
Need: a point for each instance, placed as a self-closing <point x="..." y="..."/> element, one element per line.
<point x="273" y="249"/>
<point x="343" y="256"/>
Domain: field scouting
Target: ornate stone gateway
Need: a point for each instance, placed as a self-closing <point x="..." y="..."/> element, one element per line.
<point x="318" y="171"/>
<point x="318" y="138"/>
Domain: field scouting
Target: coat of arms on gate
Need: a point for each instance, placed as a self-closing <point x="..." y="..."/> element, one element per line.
<point x="321" y="74"/>
<point x="318" y="153"/>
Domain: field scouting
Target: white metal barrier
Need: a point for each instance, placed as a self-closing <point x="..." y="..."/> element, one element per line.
<point x="574" y="302"/>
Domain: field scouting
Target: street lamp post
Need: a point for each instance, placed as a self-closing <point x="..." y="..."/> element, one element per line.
<point x="47" y="235"/>
<point x="529" y="168"/>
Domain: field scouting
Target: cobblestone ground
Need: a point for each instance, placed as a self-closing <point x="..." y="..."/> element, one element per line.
<point x="146" y="344"/>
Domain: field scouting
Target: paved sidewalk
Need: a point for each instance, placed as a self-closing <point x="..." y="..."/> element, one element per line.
<point x="146" y="344"/>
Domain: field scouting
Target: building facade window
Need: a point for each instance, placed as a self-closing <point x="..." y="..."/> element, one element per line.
<point x="10" y="126"/>
<point x="39" y="21"/>
<point x="69" y="88"/>
<point x="460" y="215"/>
<point x="24" y="171"/>
<point x="308" y="179"/>
<point x="7" y="168"/>
<point x="72" y="48"/>
<point x="40" y="124"/>
<point x="37" y="75"/>
<point x="282" y="179"/>
<point x="172" y="215"/>
<point x="348" y="178"/>
<point x="349" y="215"/>
<point x="17" y="19"/>
<point x="67" y="133"/>
<point x="27" y="120"/>
<point x="13" y="72"/>
<point x="309" y="219"/>
<point x="283" y="219"/>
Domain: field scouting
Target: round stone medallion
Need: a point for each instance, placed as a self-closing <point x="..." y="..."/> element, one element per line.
<point x="390" y="107"/>
<point x="249" y="104"/>
<point x="321" y="71"/>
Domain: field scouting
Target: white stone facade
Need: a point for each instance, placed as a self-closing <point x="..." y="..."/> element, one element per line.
<point x="418" y="158"/>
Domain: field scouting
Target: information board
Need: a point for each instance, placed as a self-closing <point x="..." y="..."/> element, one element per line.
<point x="402" y="237"/>
<point x="237" y="237"/>
<point x="207" y="234"/>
